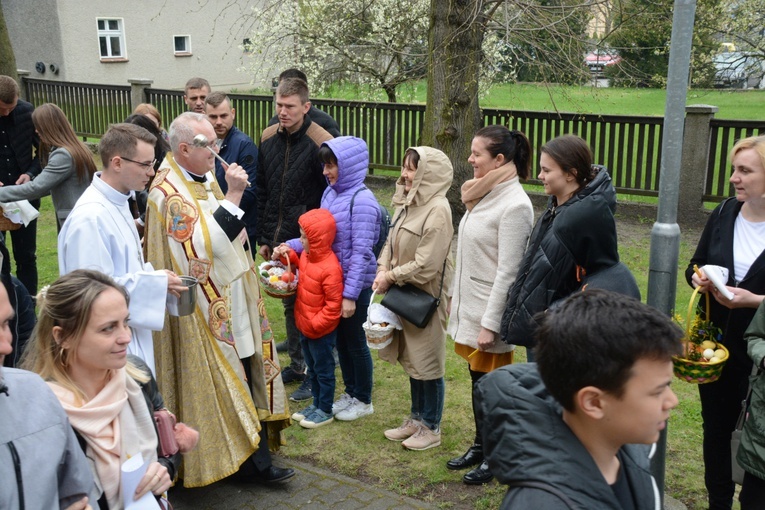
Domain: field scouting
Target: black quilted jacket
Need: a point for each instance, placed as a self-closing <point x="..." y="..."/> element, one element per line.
<point x="289" y="180"/>
<point x="581" y="232"/>
<point x="23" y="140"/>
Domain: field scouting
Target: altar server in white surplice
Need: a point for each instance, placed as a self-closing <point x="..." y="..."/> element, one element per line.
<point x="100" y="233"/>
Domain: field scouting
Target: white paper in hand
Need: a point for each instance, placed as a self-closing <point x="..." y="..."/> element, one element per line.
<point x="132" y="471"/>
<point x="718" y="275"/>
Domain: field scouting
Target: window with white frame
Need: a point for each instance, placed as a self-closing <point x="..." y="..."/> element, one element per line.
<point x="182" y="44"/>
<point x="111" y="38"/>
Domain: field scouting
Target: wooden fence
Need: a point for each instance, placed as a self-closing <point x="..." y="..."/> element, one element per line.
<point x="630" y="146"/>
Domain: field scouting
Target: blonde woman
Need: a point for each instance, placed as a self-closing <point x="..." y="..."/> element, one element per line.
<point x="734" y="238"/>
<point x="79" y="348"/>
<point x="68" y="164"/>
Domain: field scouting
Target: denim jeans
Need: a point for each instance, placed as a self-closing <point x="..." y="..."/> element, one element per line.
<point x="353" y="353"/>
<point x="428" y="401"/>
<point x="321" y="369"/>
<point x="297" y="362"/>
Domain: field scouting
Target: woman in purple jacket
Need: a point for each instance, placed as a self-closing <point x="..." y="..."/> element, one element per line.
<point x="357" y="215"/>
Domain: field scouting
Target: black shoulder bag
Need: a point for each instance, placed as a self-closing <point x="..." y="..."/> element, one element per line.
<point x="412" y="303"/>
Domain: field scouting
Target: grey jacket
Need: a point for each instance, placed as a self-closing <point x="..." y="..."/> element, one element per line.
<point x="38" y="449"/>
<point x="58" y="178"/>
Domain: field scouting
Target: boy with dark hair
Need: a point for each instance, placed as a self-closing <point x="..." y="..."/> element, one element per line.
<point x="572" y="430"/>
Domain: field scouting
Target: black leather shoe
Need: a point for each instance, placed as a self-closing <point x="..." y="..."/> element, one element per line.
<point x="479" y="475"/>
<point x="290" y="375"/>
<point x="472" y="457"/>
<point x="273" y="474"/>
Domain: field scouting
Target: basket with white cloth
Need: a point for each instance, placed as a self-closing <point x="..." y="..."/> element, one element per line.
<point x="379" y="325"/>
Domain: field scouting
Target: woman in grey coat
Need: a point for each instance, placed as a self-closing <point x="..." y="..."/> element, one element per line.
<point x="69" y="165"/>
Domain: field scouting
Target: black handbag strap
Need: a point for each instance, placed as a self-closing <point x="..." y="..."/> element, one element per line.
<point x="745" y="403"/>
<point x="441" y="287"/>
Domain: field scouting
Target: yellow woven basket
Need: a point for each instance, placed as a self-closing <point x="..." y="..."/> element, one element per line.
<point x="698" y="372"/>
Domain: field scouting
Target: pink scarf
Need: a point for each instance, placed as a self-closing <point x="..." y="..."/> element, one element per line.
<point x="474" y="190"/>
<point x="115" y="425"/>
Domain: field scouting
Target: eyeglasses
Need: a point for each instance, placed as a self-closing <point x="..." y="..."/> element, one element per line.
<point x="145" y="165"/>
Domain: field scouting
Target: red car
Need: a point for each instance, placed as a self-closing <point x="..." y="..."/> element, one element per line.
<point x="597" y="60"/>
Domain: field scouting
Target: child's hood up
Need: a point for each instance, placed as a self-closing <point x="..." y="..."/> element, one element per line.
<point x="352" y="161"/>
<point x="319" y="227"/>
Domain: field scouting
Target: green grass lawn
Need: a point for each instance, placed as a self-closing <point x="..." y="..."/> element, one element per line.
<point x="733" y="104"/>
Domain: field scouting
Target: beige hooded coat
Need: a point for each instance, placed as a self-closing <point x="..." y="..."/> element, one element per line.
<point x="419" y="242"/>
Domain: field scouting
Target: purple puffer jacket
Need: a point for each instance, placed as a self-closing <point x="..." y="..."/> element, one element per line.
<point x="354" y="239"/>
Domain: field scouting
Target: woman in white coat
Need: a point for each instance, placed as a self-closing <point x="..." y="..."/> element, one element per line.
<point x="492" y="238"/>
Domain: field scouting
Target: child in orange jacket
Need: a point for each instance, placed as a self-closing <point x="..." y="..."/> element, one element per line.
<point x="318" y="305"/>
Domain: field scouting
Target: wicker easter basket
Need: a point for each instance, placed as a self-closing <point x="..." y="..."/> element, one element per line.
<point x="378" y="336"/>
<point x="277" y="289"/>
<point x="6" y="224"/>
<point x="698" y="371"/>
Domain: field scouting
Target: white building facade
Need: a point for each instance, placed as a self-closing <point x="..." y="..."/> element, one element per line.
<point x="112" y="41"/>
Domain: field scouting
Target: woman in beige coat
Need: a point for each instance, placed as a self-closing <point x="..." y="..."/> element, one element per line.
<point x="417" y="248"/>
<point x="492" y="238"/>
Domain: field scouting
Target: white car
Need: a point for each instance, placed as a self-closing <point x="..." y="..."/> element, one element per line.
<point x="738" y="70"/>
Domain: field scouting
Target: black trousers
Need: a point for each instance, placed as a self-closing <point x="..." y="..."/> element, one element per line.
<point x="261" y="459"/>
<point x="474" y="377"/>
<point x="24" y="242"/>
<point x="720" y="407"/>
<point x="752" y="496"/>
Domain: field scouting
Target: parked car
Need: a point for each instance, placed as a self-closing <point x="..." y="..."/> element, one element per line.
<point x="598" y="60"/>
<point x="738" y="70"/>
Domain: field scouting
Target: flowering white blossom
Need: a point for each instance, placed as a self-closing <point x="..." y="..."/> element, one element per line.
<point x="377" y="43"/>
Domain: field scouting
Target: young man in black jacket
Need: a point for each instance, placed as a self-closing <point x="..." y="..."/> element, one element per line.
<point x="574" y="429"/>
<point x="19" y="163"/>
<point x="289" y="182"/>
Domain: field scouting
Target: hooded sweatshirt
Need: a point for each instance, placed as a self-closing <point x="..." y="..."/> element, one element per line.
<point x="357" y="229"/>
<point x="39" y="452"/>
<point x="319" y="298"/>
<point x="526" y="440"/>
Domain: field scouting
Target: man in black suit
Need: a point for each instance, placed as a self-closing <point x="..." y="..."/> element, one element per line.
<point x="19" y="163"/>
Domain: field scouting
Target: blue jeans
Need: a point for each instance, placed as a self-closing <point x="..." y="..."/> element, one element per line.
<point x="353" y="353"/>
<point x="428" y="401"/>
<point x="321" y="369"/>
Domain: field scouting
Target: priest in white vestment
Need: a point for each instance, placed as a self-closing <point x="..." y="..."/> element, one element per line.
<point x="100" y="233"/>
<point x="193" y="229"/>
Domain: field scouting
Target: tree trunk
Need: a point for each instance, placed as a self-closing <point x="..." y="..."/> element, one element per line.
<point x="390" y="90"/>
<point x="452" y="114"/>
<point x="7" y="58"/>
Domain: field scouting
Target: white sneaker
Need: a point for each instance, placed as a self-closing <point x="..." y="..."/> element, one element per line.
<point x="342" y="403"/>
<point x="356" y="410"/>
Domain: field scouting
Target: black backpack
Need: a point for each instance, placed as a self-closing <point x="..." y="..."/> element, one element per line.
<point x="384" y="224"/>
